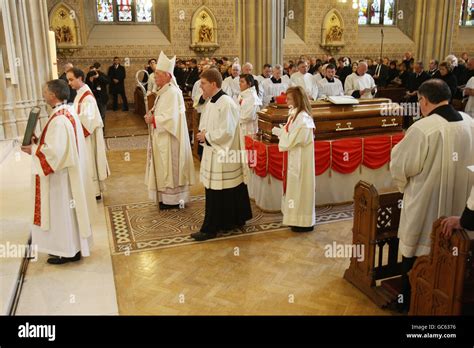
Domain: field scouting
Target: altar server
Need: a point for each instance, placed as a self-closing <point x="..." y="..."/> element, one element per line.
<point x="320" y="74"/>
<point x="330" y="85"/>
<point x="296" y="138"/>
<point x="304" y="79"/>
<point x="170" y="169"/>
<point x="227" y="200"/>
<point x="275" y="85"/>
<point x="359" y="84"/>
<point x="249" y="104"/>
<point x="61" y="223"/>
<point x="86" y="108"/>
<point x="429" y="167"/>
<point x="231" y="85"/>
<point x="469" y="92"/>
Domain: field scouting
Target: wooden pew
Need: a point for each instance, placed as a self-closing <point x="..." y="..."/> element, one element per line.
<point x="396" y="94"/>
<point x="442" y="283"/>
<point x="376" y="220"/>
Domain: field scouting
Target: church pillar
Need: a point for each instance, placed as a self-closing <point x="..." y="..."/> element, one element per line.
<point x="261" y="32"/>
<point x="434" y="26"/>
<point x="27" y="64"/>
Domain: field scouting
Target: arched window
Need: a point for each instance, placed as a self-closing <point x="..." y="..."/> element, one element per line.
<point x="377" y="12"/>
<point x="467" y="13"/>
<point x="124" y="11"/>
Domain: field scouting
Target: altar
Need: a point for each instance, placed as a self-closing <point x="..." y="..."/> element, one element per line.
<point x="339" y="165"/>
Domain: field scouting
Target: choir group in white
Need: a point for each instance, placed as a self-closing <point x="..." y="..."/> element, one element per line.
<point x="69" y="159"/>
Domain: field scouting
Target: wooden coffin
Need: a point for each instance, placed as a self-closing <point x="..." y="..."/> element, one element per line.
<point x="373" y="116"/>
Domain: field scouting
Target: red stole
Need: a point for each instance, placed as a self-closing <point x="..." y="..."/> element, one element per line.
<point x="86" y="93"/>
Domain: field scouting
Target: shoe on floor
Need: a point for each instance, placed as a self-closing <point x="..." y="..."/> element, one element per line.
<point x="98" y="197"/>
<point x="168" y="206"/>
<point x="201" y="236"/>
<point x="302" y="229"/>
<point x="58" y="260"/>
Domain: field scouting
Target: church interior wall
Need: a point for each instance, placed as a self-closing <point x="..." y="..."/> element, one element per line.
<point x="463" y="37"/>
<point x="170" y="33"/>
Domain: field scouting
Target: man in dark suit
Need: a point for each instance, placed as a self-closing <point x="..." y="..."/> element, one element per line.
<point x="417" y="78"/>
<point x="381" y="74"/>
<point x="116" y="75"/>
<point x="192" y="75"/>
<point x="97" y="82"/>
<point x="434" y="71"/>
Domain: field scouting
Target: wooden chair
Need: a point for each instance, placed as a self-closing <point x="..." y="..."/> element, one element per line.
<point x="442" y="282"/>
<point x="376" y="221"/>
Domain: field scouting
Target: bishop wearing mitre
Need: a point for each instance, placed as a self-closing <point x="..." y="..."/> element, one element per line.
<point x="86" y="108"/>
<point x="170" y="167"/>
<point x="61" y="221"/>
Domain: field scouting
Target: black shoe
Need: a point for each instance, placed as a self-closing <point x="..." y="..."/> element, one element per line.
<point x="98" y="198"/>
<point x="302" y="229"/>
<point x="168" y="206"/>
<point x="201" y="236"/>
<point x="58" y="260"/>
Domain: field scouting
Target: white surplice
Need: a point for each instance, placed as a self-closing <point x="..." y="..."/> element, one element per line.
<point x="356" y="82"/>
<point x="469" y="109"/>
<point x="272" y="90"/>
<point x="249" y="104"/>
<point x="307" y="82"/>
<point x="298" y="203"/>
<point x="231" y="87"/>
<point x="429" y="167"/>
<point x="172" y="159"/>
<point x="61" y="223"/>
<point x="330" y="89"/>
<point x="85" y="106"/>
<point x="222" y="166"/>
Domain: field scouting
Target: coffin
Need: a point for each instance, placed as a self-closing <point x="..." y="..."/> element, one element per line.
<point x="372" y="116"/>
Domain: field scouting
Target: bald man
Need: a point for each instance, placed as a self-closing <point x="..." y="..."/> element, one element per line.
<point x="360" y="84"/>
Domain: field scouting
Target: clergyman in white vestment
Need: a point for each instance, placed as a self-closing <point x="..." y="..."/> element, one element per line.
<point x="359" y="84"/>
<point x="61" y="224"/>
<point x="429" y="167"/>
<point x="170" y="168"/>
<point x="86" y="108"/>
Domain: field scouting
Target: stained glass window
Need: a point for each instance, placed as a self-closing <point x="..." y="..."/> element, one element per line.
<point x="363" y="12"/>
<point x="125" y="11"/>
<point x="467" y="13"/>
<point x="375" y="12"/>
<point x="144" y="10"/>
<point x="378" y="12"/>
<point x="389" y="12"/>
<point x="105" y="11"/>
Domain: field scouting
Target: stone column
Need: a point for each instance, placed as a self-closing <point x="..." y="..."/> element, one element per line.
<point x="434" y="26"/>
<point x="28" y="67"/>
<point x="261" y="26"/>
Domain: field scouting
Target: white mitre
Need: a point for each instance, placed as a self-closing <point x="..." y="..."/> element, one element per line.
<point x="166" y="64"/>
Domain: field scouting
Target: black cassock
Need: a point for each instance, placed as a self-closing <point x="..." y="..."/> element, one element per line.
<point x="226" y="209"/>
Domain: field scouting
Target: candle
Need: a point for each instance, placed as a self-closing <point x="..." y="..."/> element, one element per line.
<point x="52" y="54"/>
